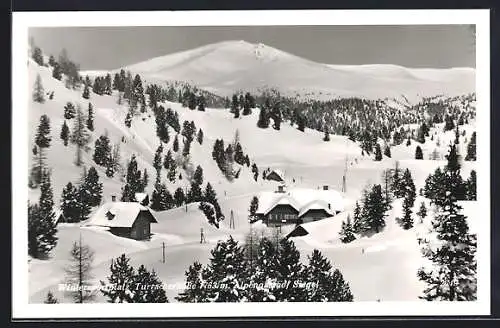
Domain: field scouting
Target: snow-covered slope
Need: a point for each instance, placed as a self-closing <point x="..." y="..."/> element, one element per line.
<point x="229" y="66"/>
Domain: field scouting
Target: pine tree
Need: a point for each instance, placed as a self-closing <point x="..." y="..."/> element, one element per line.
<point x="41" y="231"/>
<point x="86" y="92"/>
<point x="358" y="223"/>
<point x="79" y="135"/>
<point x="374" y="209"/>
<point x="179" y="197"/>
<point x="227" y="266"/>
<point x="331" y="284"/>
<point x="408" y="187"/>
<point x="134" y="182"/>
<point x="457" y="136"/>
<point x="172" y="171"/>
<point x="38" y="91"/>
<point x="169" y="160"/>
<point x="117" y="287"/>
<point x="38" y="56"/>
<point x="148" y="287"/>
<point x="387" y="151"/>
<point x="453" y="276"/>
<point x="199" y="137"/>
<point x="90" y="118"/>
<point x="194" y="193"/>
<point x="102" y="150"/>
<point x="79" y="272"/>
<point x="407" y="220"/>
<point x="195" y="291"/>
<point x="255" y="171"/>
<point x="65" y="133"/>
<point x="210" y="196"/>
<point x="452" y="173"/>
<point x="263" y="121"/>
<point x="201" y="103"/>
<point x="418" y="153"/>
<point x="422" y="212"/>
<point x="157" y="161"/>
<point x="378" y="153"/>
<point x="175" y="145"/>
<point x="57" y="72"/>
<point x="42" y="138"/>
<point x="46" y="195"/>
<point x="471" y="187"/>
<point x="347" y="231"/>
<point x="91" y="188"/>
<point x="449" y="125"/>
<point x="235" y="106"/>
<point x="254" y="205"/>
<point x="69" y="111"/>
<point x="327" y="135"/>
<point x="198" y="176"/>
<point x="471" y="148"/>
<point x="50" y="299"/>
<point x="288" y="268"/>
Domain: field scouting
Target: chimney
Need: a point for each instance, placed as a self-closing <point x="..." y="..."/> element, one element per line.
<point x="325" y="187"/>
<point x="113" y="198"/>
<point x="281" y="188"/>
<point x="329" y="206"/>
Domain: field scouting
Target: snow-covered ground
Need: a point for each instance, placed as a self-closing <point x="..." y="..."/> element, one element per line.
<point x="380" y="267"/>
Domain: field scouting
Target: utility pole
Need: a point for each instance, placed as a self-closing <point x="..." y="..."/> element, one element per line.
<point x="163" y="251"/>
<point x="231" y="220"/>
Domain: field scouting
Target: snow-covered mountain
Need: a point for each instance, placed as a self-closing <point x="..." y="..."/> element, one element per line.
<point x="230" y="66"/>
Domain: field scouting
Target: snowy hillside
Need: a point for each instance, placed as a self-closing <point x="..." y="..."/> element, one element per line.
<point x="230" y="66"/>
<point x="306" y="160"/>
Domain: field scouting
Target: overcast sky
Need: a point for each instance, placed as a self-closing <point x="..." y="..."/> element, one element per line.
<point x="433" y="46"/>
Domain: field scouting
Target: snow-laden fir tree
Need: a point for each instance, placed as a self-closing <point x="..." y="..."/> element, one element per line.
<point x="227" y="269"/>
<point x="209" y="211"/>
<point x="64" y="133"/>
<point x="79" y="136"/>
<point x="358" y="225"/>
<point x="102" y="150"/>
<point x="79" y="272"/>
<point x="254" y="205"/>
<point x="179" y="197"/>
<point x="210" y="196"/>
<point x="255" y="171"/>
<point x="69" y="111"/>
<point x="133" y="183"/>
<point x="263" y="121"/>
<point x="418" y="153"/>
<point x="331" y="284"/>
<point x="453" y="275"/>
<point x="347" y="231"/>
<point x="175" y="144"/>
<point x="195" y="291"/>
<point x="374" y="210"/>
<point x="199" y="137"/>
<point x="263" y="273"/>
<point x="288" y="269"/>
<point x="118" y="284"/>
<point x="147" y="287"/>
<point x="38" y="91"/>
<point x="387" y="151"/>
<point x="41" y="231"/>
<point x="86" y="92"/>
<point x="378" y="153"/>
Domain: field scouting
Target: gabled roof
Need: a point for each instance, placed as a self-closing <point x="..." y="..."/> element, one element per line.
<point x="119" y="214"/>
<point x="316" y="204"/>
<point x="302" y="199"/>
<point x="278" y="172"/>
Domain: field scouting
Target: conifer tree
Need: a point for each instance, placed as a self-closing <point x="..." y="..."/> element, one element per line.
<point x="179" y="197"/>
<point x="38" y="91"/>
<point x="471" y="148"/>
<point x="422" y="212"/>
<point x="407" y="220"/>
<point x="117" y="287"/>
<point x="331" y="284"/>
<point x="57" y="72"/>
<point x="134" y="182"/>
<point x="148" y="288"/>
<point x="254" y="205"/>
<point x="199" y="137"/>
<point x="452" y="172"/>
<point x="50" y="299"/>
<point x="227" y="266"/>
<point x="453" y="276"/>
<point x="418" y="153"/>
<point x="65" y="133"/>
<point x="169" y="160"/>
<point x="288" y="267"/>
<point x="387" y="151"/>
<point x="347" y="231"/>
<point x="42" y="138"/>
<point x="358" y="224"/>
<point x="79" y="135"/>
<point x="102" y="150"/>
<point x="471" y="186"/>
<point x="157" y="161"/>
<point x="91" y="188"/>
<point x="201" y="103"/>
<point x="374" y="210"/>
<point x="263" y="121"/>
<point x="46" y="194"/>
<point x="210" y="196"/>
<point x="69" y="111"/>
<point x="90" y="118"/>
<point x="86" y="92"/>
<point x="255" y="171"/>
<point x="172" y="172"/>
<point x="79" y="272"/>
<point x="41" y="231"/>
<point x="378" y="153"/>
<point x="327" y="135"/>
<point x="175" y="145"/>
<point x="37" y="56"/>
<point x="195" y="291"/>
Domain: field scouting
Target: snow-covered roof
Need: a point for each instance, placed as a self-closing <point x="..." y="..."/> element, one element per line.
<point x="279" y="173"/>
<point x="302" y="199"/>
<point x="316" y="204"/>
<point x="140" y="196"/>
<point x="119" y="214"/>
